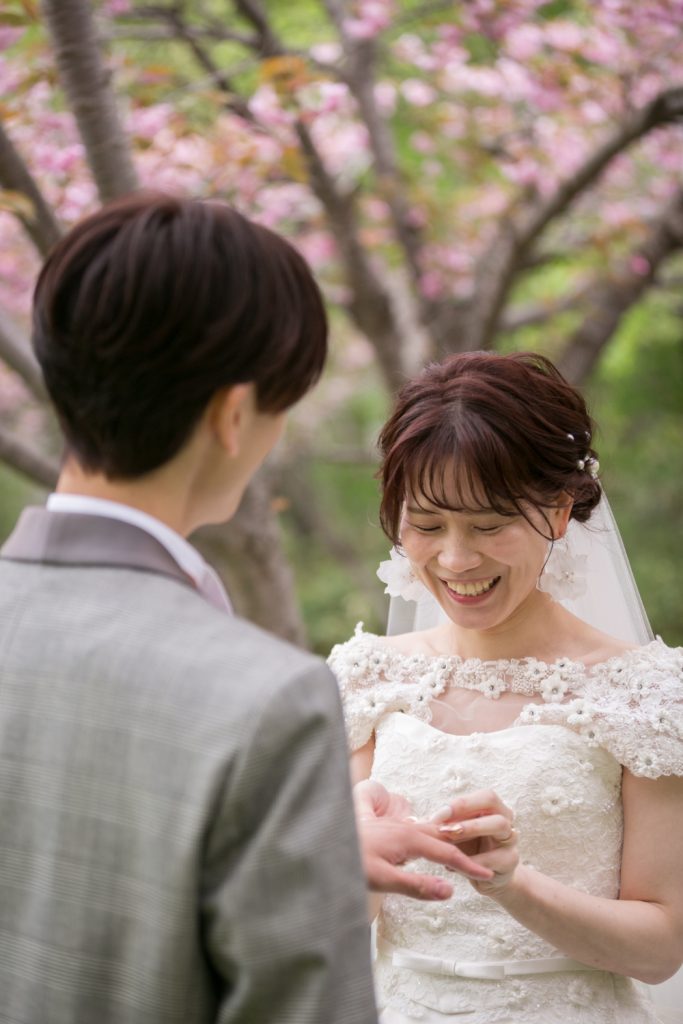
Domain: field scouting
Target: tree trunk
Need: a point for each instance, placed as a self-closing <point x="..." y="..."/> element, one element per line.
<point x="30" y="463"/>
<point x="16" y="351"/>
<point x="248" y="554"/>
<point x="608" y="301"/>
<point x="42" y="224"/>
<point x="87" y="84"/>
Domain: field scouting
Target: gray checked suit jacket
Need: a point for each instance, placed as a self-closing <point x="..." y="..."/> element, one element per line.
<point x="177" y="843"/>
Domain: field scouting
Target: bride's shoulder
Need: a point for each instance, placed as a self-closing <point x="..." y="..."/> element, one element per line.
<point x="395" y="648"/>
<point x="359" y="641"/>
<point x="604" y="655"/>
<point x="423" y="641"/>
<point x="654" y="659"/>
<point x="631" y="704"/>
<point x="376" y="675"/>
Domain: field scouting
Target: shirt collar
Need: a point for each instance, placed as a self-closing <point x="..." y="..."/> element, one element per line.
<point x="188" y="558"/>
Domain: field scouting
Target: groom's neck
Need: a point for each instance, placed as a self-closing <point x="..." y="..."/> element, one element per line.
<point x="187" y="492"/>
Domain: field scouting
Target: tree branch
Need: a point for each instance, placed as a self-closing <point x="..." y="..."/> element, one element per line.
<point x="161" y="34"/>
<point x="609" y="300"/>
<point x="533" y="314"/>
<point x="510" y="248"/>
<point x="16" y="352"/>
<point x="253" y="11"/>
<point x="87" y="84"/>
<point x="370" y="305"/>
<point x="665" y="108"/>
<point x="41" y="225"/>
<point x="158" y="12"/>
<point x="179" y="29"/>
<point x="359" y="74"/>
<point x="210" y="32"/>
<point x="30" y="463"/>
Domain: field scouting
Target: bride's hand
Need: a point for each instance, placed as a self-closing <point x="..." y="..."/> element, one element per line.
<point x="482" y="826"/>
<point x="390" y="837"/>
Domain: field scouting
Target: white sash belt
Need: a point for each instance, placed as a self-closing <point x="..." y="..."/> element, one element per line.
<point x="489" y="970"/>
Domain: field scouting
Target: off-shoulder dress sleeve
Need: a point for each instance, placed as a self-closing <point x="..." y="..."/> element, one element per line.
<point x="632" y="706"/>
<point x="375" y="680"/>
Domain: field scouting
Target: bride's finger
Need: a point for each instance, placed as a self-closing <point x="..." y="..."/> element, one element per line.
<point x="480" y="803"/>
<point x="425" y="842"/>
<point x="493" y="826"/>
<point x="508" y="840"/>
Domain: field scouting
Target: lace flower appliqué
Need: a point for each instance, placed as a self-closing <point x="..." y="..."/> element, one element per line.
<point x="400" y="579"/>
<point x="554" y="688"/>
<point x="555" y="800"/>
<point x="564" y="575"/>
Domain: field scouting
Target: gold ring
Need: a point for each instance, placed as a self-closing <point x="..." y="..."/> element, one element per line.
<point x="508" y="839"/>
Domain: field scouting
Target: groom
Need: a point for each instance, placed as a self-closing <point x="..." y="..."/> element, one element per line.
<point x="178" y="842"/>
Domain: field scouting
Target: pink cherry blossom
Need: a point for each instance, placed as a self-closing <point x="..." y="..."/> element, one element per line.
<point x="148" y="122"/>
<point x="640" y="265"/>
<point x="432" y="284"/>
<point x="372" y="17"/>
<point x="116" y="7"/>
<point x="8" y="36"/>
<point x="423" y="142"/>
<point x="386" y="96"/>
<point x="413" y="50"/>
<point x="417" y="92"/>
<point x="266" y="107"/>
<point x="524" y="41"/>
<point x="564" y="35"/>
<point x="327" y="53"/>
<point x="318" y="247"/>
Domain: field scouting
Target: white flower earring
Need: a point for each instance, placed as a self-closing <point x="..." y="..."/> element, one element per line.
<point x="564" y="573"/>
<point x="400" y="579"/>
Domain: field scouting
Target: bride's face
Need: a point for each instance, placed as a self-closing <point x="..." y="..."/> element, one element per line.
<point x="481" y="566"/>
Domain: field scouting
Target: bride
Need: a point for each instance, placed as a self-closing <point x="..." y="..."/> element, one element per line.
<point x="549" y="749"/>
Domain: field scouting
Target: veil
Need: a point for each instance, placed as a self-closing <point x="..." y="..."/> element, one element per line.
<point x="610" y="600"/>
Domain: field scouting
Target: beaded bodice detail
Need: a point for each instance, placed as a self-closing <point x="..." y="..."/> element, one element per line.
<point x="558" y="764"/>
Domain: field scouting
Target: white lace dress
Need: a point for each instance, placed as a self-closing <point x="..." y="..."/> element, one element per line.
<point x="558" y="765"/>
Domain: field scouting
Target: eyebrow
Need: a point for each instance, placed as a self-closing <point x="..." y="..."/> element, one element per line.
<point x="418" y="510"/>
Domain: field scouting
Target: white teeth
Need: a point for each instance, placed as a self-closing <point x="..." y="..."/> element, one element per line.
<point x="471" y="589"/>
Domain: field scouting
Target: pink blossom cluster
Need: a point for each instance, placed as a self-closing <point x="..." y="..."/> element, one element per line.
<point x="496" y="104"/>
<point x="369" y="19"/>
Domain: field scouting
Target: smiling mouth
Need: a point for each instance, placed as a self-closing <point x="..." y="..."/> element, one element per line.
<point x="474" y="589"/>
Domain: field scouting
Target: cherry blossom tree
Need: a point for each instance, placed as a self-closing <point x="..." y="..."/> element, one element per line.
<point x="454" y="171"/>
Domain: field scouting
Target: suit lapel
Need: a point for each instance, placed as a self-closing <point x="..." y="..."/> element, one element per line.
<point x="72" y="538"/>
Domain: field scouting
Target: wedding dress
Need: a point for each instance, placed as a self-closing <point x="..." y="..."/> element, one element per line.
<point x="551" y="739"/>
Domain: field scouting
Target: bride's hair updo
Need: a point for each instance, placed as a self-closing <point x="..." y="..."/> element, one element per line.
<point x="502" y="431"/>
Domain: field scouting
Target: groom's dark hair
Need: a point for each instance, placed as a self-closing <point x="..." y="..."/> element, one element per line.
<point x="150" y="306"/>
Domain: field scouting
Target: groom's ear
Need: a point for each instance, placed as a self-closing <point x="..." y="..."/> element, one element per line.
<point x="229" y="414"/>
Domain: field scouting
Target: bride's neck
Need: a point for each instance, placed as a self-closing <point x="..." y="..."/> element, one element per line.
<point x="538" y="632"/>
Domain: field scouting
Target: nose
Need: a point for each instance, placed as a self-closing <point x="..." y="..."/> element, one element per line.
<point x="458" y="555"/>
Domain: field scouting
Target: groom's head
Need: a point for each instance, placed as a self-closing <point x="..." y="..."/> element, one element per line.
<point x="150" y="307"/>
